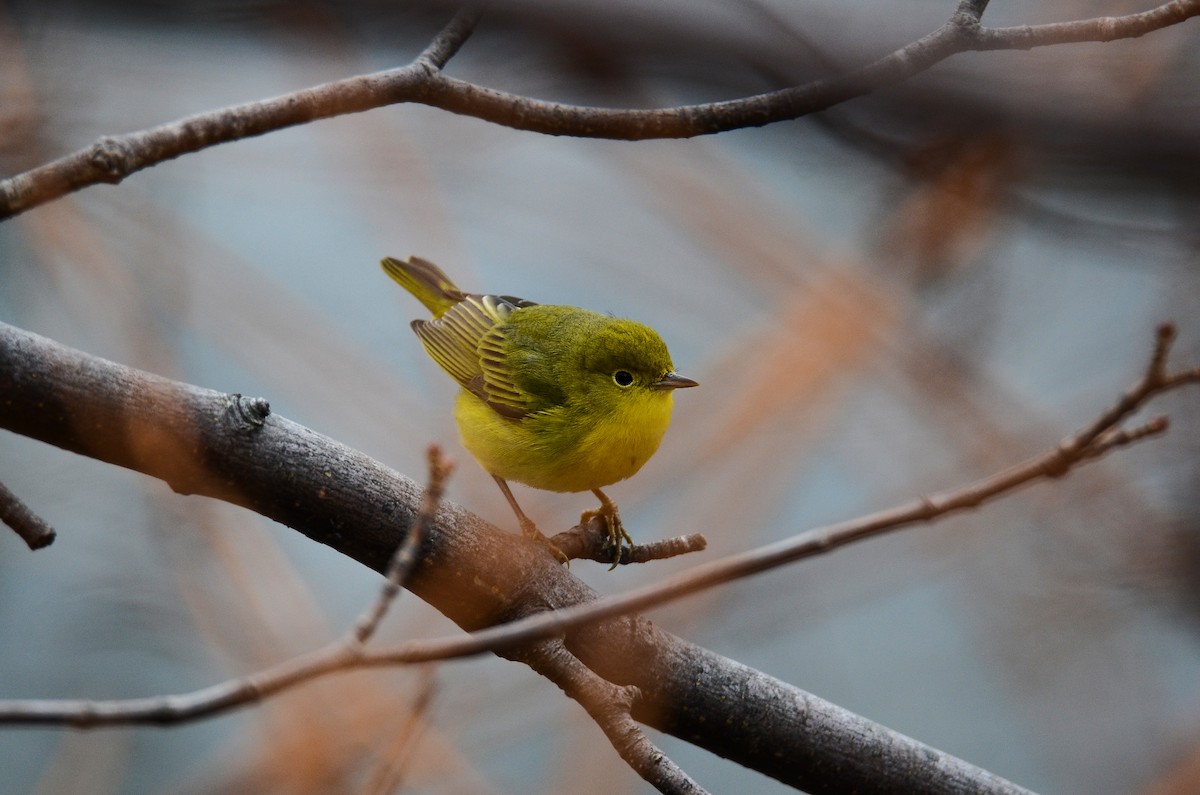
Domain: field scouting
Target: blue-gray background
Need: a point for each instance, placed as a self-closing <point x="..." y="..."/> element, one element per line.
<point x="903" y="294"/>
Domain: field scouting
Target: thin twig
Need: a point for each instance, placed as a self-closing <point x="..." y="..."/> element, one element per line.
<point x="406" y="554"/>
<point x="33" y="529"/>
<point x="446" y="44"/>
<point x="591" y="542"/>
<point x="113" y="158"/>
<point x="1098" y="29"/>
<point x="336" y="656"/>
<point x="610" y="705"/>
<point x="972" y="9"/>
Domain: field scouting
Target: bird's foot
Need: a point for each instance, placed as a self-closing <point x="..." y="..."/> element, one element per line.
<point x="617" y="536"/>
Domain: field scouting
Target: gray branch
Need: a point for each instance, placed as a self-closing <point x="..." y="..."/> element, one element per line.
<point x="35" y="531"/>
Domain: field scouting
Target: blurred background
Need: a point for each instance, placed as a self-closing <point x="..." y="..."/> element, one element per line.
<point x="894" y="297"/>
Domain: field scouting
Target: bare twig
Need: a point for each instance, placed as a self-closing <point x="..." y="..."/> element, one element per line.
<point x="446" y="44"/>
<point x="337" y="656"/>
<point x="406" y="555"/>
<point x="591" y="542"/>
<point x="33" y="529"/>
<point x="113" y="158"/>
<point x="610" y="706"/>
<point x="972" y="10"/>
<point x="1129" y="26"/>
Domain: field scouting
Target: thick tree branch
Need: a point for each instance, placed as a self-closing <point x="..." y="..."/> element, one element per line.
<point x="232" y="448"/>
<point x="113" y="158"/>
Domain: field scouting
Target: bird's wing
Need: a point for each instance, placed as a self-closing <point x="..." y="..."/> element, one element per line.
<point x="469" y="341"/>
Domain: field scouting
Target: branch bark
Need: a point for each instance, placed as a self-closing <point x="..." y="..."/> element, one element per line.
<point x="33" y="529"/>
<point x="610" y="706"/>
<point x="113" y="158"/>
<point x="232" y="448"/>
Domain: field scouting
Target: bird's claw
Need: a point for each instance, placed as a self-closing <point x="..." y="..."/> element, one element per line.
<point x="618" y="538"/>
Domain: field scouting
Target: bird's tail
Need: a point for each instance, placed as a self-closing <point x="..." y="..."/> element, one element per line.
<point x="425" y="281"/>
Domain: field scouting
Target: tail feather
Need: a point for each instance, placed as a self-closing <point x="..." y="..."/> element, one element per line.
<point x="425" y="281"/>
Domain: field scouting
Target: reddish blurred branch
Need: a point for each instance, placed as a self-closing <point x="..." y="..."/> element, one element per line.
<point x="113" y="158"/>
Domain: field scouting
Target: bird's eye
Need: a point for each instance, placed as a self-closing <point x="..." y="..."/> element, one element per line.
<point x="622" y="378"/>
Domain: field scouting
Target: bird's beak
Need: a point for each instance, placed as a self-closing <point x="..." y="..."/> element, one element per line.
<point x="673" y="381"/>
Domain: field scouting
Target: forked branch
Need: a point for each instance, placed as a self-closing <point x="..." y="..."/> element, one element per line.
<point x="611" y="707"/>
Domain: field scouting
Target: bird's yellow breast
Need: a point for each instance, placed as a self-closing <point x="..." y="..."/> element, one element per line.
<point x="565" y="448"/>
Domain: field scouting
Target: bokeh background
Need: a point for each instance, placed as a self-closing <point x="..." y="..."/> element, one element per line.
<point x="897" y="296"/>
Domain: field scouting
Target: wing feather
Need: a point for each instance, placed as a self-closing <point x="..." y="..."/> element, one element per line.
<point x="470" y="342"/>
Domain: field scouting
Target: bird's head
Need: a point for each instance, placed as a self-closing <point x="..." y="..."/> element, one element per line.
<point x="629" y="357"/>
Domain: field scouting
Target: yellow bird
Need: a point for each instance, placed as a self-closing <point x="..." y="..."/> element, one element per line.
<point x="555" y="397"/>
